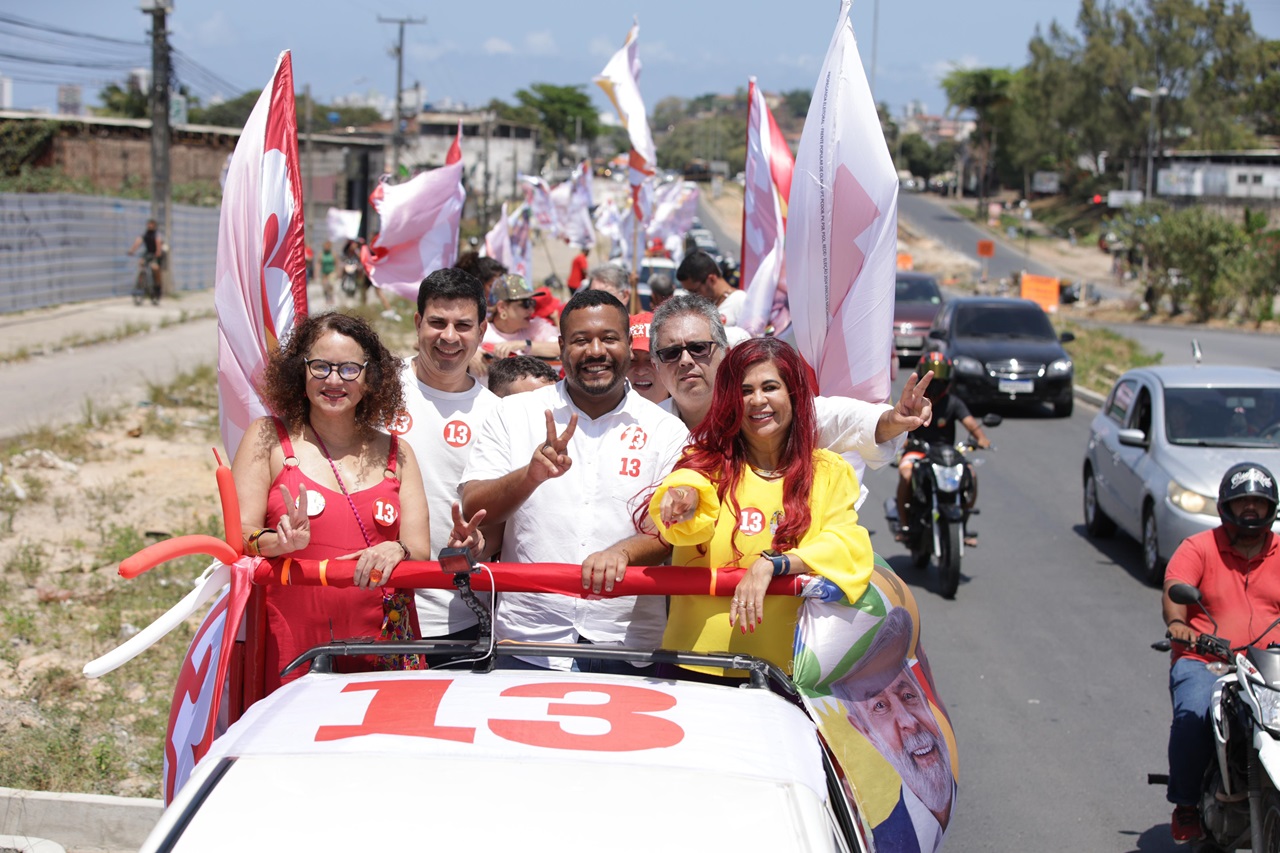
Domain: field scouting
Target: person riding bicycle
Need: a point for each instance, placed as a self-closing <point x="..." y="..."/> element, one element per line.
<point x="1236" y="567"/>
<point x="153" y="251"/>
<point x="948" y="409"/>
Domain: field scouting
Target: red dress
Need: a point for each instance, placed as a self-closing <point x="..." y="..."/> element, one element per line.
<point x="299" y="617"/>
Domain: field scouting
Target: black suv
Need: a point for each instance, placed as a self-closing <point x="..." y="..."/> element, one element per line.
<point x="1004" y="350"/>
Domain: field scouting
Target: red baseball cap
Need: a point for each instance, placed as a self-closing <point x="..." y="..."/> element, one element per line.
<point x="545" y="303"/>
<point x="640" y="330"/>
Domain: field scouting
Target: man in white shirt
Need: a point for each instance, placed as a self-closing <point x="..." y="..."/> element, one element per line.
<point x="567" y="467"/>
<point x="445" y="407"/>
<point x="700" y="275"/>
<point x="688" y="343"/>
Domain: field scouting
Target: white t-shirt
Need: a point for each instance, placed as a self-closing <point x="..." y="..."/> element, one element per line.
<point x="846" y="426"/>
<point x="537" y="330"/>
<point x="731" y="308"/>
<point x="442" y="429"/>
<point x="618" y="458"/>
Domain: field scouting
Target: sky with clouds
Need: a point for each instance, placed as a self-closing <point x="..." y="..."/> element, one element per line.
<point x="473" y="51"/>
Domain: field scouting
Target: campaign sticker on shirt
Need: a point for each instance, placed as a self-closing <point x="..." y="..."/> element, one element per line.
<point x="315" y="503"/>
<point x="457" y="433"/>
<point x="751" y="521"/>
<point x="400" y="424"/>
<point x="634" y="438"/>
<point x="385" y="512"/>
<point x="775" y="521"/>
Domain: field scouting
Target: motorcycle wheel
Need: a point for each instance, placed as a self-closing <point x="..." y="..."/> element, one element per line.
<point x="921" y="546"/>
<point x="949" y="561"/>
<point x="1270" y="820"/>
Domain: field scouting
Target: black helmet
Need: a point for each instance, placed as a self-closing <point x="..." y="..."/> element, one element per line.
<point x="1247" y="479"/>
<point x="941" y="367"/>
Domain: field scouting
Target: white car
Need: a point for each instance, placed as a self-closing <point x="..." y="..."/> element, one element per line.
<point x="514" y="760"/>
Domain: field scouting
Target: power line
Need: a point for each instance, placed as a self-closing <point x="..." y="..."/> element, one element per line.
<point x="68" y="63"/>
<point x="210" y="76"/>
<point x="50" y="28"/>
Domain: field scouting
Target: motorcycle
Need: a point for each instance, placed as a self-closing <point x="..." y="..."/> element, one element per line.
<point x="1239" y="801"/>
<point x="943" y="490"/>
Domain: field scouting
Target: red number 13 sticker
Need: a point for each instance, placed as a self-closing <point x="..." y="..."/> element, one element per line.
<point x="385" y="512"/>
<point x="752" y="521"/>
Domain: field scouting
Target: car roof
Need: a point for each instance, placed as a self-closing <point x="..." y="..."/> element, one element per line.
<point x="1207" y="375"/>
<point x="522" y="744"/>
<point x="993" y="302"/>
<point x="909" y="275"/>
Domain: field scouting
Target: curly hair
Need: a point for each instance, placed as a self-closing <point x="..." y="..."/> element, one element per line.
<point x="284" y="381"/>
<point x="716" y="449"/>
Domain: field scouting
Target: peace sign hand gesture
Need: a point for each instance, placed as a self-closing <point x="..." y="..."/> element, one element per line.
<point x="293" y="530"/>
<point x="551" y="459"/>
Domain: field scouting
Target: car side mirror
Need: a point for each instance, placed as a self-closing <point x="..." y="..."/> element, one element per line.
<point x="1132" y="438"/>
<point x="938" y="334"/>
<point x="1067" y="337"/>
<point x="991" y="419"/>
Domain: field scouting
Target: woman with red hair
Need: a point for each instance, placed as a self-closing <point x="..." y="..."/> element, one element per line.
<point x="752" y="491"/>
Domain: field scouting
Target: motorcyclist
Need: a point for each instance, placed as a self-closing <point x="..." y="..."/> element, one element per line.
<point x="152" y="245"/>
<point x="948" y="409"/>
<point x="1236" y="567"/>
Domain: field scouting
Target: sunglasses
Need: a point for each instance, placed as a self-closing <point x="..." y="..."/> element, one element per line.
<point x="696" y="349"/>
<point x="348" y="371"/>
<point x="525" y="303"/>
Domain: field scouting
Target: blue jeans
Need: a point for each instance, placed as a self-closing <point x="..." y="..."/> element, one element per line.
<point x="1191" y="745"/>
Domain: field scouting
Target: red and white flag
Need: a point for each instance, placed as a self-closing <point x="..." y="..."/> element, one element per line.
<point x="521" y="243"/>
<point x="419" y="232"/>
<point x="675" y="206"/>
<point x="537" y="194"/>
<point x="497" y="243"/>
<point x="620" y="82"/>
<point x="764" y="217"/>
<point x="842" y="230"/>
<point x="260" y="286"/>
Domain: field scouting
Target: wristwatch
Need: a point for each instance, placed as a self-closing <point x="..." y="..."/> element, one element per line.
<point x="781" y="562"/>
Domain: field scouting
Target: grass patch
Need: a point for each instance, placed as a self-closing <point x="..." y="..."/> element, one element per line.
<point x="1101" y="355"/>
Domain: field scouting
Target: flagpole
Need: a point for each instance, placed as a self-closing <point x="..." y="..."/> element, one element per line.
<point x="635" y="264"/>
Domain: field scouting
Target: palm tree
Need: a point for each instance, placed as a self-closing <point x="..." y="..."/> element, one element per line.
<point x="984" y="92"/>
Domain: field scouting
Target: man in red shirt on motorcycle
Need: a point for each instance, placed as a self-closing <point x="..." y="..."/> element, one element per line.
<point x="1236" y="567"/>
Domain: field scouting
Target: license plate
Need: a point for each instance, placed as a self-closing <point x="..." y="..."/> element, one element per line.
<point x="1016" y="386"/>
<point x="910" y="341"/>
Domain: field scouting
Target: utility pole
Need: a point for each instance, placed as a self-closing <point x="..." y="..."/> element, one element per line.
<point x="397" y="138"/>
<point x="159" y="113"/>
<point x="308" y="204"/>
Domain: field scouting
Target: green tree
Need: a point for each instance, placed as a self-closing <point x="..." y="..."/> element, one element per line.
<point x="233" y="113"/>
<point x="127" y="101"/>
<point x="985" y="92"/>
<point x="562" y="111"/>
<point x="797" y="101"/>
<point x="1201" y="246"/>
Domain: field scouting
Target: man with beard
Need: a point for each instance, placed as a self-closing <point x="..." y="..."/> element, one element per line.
<point x="568" y="493"/>
<point x="887" y="706"/>
<point x="1236" y="567"/>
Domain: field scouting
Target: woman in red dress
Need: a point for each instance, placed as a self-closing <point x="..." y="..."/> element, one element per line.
<point x="321" y="480"/>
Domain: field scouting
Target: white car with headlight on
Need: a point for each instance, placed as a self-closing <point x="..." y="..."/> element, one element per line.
<point x="1161" y="443"/>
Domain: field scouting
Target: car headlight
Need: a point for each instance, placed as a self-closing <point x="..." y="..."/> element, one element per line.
<point x="1193" y="502"/>
<point x="1268" y="704"/>
<point x="948" y="477"/>
<point x="1061" y="367"/>
<point x="965" y="364"/>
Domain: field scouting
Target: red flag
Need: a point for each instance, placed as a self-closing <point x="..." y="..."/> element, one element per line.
<point x="260" y="287"/>
<point x="842" y="230"/>
<point x="620" y="82"/>
<point x="419" y="226"/>
<point x="764" y="217"/>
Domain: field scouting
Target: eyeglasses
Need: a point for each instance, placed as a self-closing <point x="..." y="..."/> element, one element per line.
<point x="525" y="303"/>
<point x="348" y="371"/>
<point x="696" y="349"/>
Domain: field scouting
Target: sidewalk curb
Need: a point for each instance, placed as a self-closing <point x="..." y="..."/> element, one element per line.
<point x="1093" y="398"/>
<point x="78" y="821"/>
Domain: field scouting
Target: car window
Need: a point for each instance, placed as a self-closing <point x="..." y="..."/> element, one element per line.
<point x="1141" y="416"/>
<point x="1013" y="321"/>
<point x="1121" y="399"/>
<point x="1230" y="417"/>
<point x="918" y="290"/>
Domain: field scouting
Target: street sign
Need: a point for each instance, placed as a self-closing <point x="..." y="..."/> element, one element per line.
<point x="986" y="248"/>
<point x="1042" y="290"/>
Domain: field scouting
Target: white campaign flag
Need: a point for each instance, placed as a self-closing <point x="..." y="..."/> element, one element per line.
<point x="841" y="245"/>
<point x="497" y="243"/>
<point x="764" y="218"/>
<point x="342" y="225"/>
<point x="620" y="82"/>
<point x="260" y="283"/>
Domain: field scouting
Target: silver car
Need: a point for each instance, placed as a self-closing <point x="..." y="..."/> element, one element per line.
<point x="1161" y="443"/>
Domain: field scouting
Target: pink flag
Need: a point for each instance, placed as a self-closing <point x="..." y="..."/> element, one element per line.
<point x="842" y="231"/>
<point x="419" y="226"/>
<point x="260" y="285"/>
<point x="497" y="243"/>
<point x="521" y="245"/>
<point x="537" y="194"/>
<point x="764" y="217"/>
<point x="572" y="202"/>
<point x="674" y="208"/>
<point x="620" y="82"/>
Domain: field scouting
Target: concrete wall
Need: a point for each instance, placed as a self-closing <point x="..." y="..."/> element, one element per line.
<point x="80" y="823"/>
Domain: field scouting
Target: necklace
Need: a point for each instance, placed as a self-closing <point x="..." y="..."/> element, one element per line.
<point x="343" y="486"/>
<point x="767" y="473"/>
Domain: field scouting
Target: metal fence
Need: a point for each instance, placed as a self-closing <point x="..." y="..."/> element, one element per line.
<point x="57" y="248"/>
